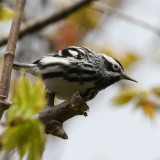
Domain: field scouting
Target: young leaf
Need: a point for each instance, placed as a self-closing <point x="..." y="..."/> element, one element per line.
<point x="5" y="13"/>
<point x="28" y="100"/>
<point x="128" y="59"/>
<point x="86" y="18"/>
<point x="27" y="138"/>
<point x="156" y="91"/>
<point x="147" y="107"/>
<point x="22" y="132"/>
<point x="125" y="96"/>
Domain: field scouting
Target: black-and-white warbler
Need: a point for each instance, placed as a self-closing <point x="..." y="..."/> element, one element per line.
<point x="76" y="69"/>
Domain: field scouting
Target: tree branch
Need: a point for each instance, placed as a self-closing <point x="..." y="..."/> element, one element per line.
<point x="53" y="117"/>
<point x="9" y="56"/>
<point x="38" y="24"/>
<point x="104" y="8"/>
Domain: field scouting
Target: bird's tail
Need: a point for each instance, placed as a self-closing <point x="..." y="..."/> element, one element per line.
<point x="30" y="68"/>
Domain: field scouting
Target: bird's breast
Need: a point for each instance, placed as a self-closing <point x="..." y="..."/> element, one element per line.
<point x="64" y="89"/>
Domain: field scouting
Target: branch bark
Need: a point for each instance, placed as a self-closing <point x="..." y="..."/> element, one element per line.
<point x="104" y="8"/>
<point x="9" y="56"/>
<point x="53" y="117"/>
<point x="38" y="24"/>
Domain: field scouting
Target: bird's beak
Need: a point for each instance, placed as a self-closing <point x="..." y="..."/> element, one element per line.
<point x="128" y="78"/>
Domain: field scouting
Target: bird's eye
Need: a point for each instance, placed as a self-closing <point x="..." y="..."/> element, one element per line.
<point x="115" y="67"/>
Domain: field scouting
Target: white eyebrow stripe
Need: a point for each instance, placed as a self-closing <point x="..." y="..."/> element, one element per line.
<point x="110" y="59"/>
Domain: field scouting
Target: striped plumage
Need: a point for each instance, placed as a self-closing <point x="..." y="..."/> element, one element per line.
<point x="76" y="69"/>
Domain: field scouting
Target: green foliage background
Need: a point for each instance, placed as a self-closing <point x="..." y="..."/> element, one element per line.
<point x="23" y="132"/>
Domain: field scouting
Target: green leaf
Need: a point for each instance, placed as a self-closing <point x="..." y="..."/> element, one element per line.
<point x="83" y="19"/>
<point x="156" y="91"/>
<point x="24" y="133"/>
<point x="147" y="107"/>
<point x="5" y="13"/>
<point x="28" y="100"/>
<point x="128" y="59"/>
<point x="27" y="138"/>
<point x="125" y="96"/>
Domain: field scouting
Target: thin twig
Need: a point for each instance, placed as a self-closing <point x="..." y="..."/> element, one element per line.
<point x="9" y="56"/>
<point x="104" y="8"/>
<point x="38" y="24"/>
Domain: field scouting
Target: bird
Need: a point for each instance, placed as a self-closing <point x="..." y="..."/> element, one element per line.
<point x="76" y="68"/>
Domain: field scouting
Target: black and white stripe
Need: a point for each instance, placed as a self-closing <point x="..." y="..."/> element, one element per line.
<point x="75" y="68"/>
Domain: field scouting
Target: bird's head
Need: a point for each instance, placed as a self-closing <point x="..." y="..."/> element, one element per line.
<point x="114" y="70"/>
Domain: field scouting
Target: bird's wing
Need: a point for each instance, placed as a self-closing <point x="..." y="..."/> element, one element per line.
<point x="70" y="52"/>
<point x="68" y="56"/>
<point x="76" y="52"/>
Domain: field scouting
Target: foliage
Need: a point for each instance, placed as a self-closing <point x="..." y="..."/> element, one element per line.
<point x="75" y="28"/>
<point x="28" y="99"/>
<point x="156" y="91"/>
<point x="113" y="2"/>
<point x="86" y="18"/>
<point x="26" y="132"/>
<point x="148" y="107"/>
<point x="5" y="13"/>
<point x="27" y="137"/>
<point x="128" y="59"/>
<point x="125" y="96"/>
<point x="140" y="97"/>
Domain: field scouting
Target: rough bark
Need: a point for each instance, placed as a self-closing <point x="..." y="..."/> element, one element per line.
<point x="9" y="56"/>
<point x="54" y="116"/>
